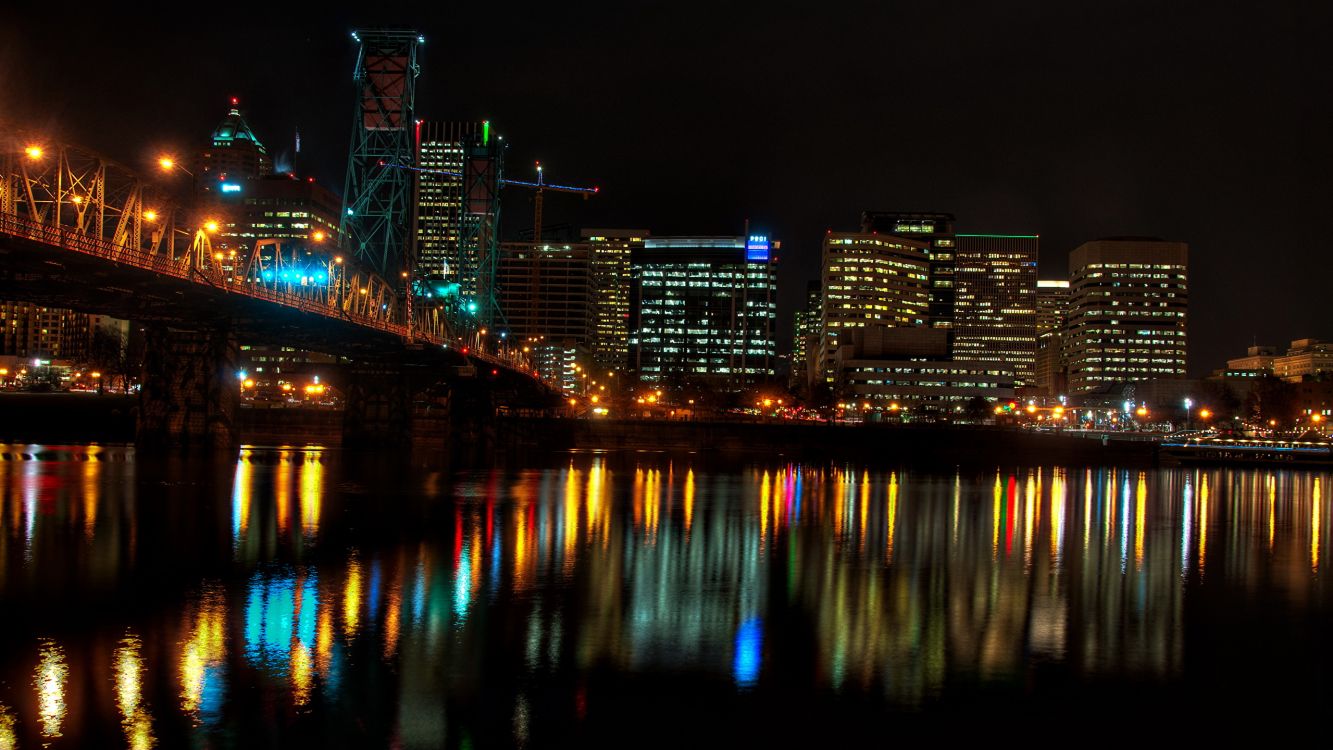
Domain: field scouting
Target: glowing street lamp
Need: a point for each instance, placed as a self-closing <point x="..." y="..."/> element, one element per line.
<point x="150" y="215"/>
<point x="211" y="226"/>
<point x="33" y="152"/>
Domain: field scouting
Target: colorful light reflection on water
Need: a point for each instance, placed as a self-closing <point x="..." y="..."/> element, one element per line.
<point x="420" y="610"/>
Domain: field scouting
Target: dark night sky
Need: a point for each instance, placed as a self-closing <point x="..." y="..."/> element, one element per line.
<point x="1204" y="122"/>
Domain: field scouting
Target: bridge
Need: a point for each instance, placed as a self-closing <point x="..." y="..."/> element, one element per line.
<point x="80" y="231"/>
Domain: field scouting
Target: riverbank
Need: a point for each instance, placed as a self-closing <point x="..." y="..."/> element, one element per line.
<point x="108" y="418"/>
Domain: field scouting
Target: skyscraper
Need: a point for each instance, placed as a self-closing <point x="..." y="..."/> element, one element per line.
<point x="1051" y="371"/>
<point x="870" y="280"/>
<point x="936" y="230"/>
<point x="440" y="193"/>
<point x="1127" y="311"/>
<point x="279" y="207"/>
<point x="704" y="310"/>
<point x="611" y="253"/>
<point x="995" y="301"/>
<point x="546" y="290"/>
<point x="805" y="336"/>
<point x="1052" y="304"/>
<point x="233" y="154"/>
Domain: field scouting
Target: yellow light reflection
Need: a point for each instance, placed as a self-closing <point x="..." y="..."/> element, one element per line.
<point x="282" y="488"/>
<point x="129" y="668"/>
<point x="1203" y="521"/>
<point x="240" y="497"/>
<point x="1316" y="514"/>
<point x="324" y="641"/>
<point x="303" y="678"/>
<point x="997" y="493"/>
<point x="1272" y="509"/>
<point x="91" y="471"/>
<point x="392" y="622"/>
<point x="1140" y="513"/>
<point x="893" y="516"/>
<point x="1058" y="498"/>
<point x="764" y="492"/>
<point x="1029" y="517"/>
<point x="311" y="495"/>
<point x="689" y="500"/>
<point x="203" y="648"/>
<point x="8" y="740"/>
<point x="52" y="673"/>
<point x="865" y="508"/>
<point x="352" y="599"/>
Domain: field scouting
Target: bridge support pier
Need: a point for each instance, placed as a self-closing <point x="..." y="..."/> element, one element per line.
<point x="377" y="410"/>
<point x="189" y="394"/>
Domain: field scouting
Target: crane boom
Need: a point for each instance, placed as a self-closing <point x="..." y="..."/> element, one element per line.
<point x="540" y="186"/>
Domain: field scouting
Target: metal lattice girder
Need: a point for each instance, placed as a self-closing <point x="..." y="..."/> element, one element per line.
<point x="377" y="201"/>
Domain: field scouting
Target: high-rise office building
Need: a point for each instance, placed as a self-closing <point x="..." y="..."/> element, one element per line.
<point x="704" y="310"/>
<point x="995" y="301"/>
<point x="936" y="230"/>
<point x="1050" y="372"/>
<point x="805" y="336"/>
<point x="870" y="280"/>
<point x="1128" y="300"/>
<point x="1052" y="304"/>
<point x="233" y="154"/>
<point x="545" y="290"/>
<point x="440" y="209"/>
<point x="279" y="207"/>
<point x="29" y="330"/>
<point x="611" y="252"/>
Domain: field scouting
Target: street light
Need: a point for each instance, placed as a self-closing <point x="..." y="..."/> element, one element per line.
<point x="1189" y="403"/>
<point x="168" y="163"/>
<point x="34" y="152"/>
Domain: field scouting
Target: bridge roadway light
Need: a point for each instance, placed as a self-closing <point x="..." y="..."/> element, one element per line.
<point x="211" y="226"/>
<point x="317" y="236"/>
<point x="34" y="152"/>
<point x="150" y="215"/>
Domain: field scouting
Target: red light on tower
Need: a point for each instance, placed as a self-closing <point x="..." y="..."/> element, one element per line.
<point x="235" y="102"/>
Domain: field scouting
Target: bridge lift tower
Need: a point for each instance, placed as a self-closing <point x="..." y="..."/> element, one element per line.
<point x="377" y="201"/>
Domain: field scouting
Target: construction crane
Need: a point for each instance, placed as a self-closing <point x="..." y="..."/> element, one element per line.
<point x="540" y="187"/>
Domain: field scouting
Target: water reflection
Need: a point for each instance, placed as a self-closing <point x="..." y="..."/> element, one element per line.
<point x="52" y="673"/>
<point x="129" y="668"/>
<point x="417" y="612"/>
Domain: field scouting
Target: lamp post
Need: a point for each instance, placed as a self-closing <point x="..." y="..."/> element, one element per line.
<point x="1189" y="403"/>
<point x="167" y="163"/>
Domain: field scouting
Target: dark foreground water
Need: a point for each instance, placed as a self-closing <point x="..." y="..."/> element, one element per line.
<point x="290" y="599"/>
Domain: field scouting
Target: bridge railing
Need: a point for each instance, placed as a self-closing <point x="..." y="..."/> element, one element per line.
<point x="75" y="199"/>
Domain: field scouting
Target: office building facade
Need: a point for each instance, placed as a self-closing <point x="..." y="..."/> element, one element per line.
<point x="442" y="251"/>
<point x="233" y="154"/>
<point x="1128" y="304"/>
<point x="545" y="292"/>
<point x="936" y="231"/>
<point x="870" y="280"/>
<point x="909" y="371"/>
<point x="1050" y="369"/>
<point x="704" y="311"/>
<point x="805" y="336"/>
<point x="611" y="251"/>
<point x="995" y="301"/>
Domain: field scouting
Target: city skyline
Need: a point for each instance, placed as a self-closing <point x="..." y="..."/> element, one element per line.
<point x="1185" y="145"/>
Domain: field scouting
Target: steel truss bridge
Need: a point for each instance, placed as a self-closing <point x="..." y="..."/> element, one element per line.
<point x="80" y="231"/>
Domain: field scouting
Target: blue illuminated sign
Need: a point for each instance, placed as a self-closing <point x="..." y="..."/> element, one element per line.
<point x="756" y="248"/>
<point x="230" y="187"/>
